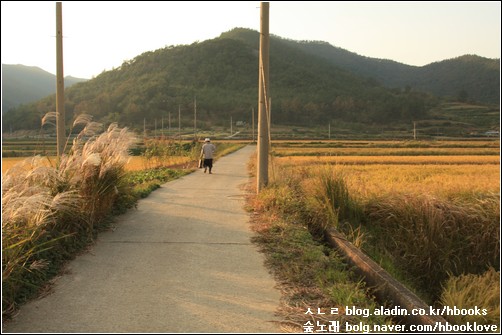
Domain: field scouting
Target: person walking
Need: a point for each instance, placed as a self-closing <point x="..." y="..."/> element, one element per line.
<point x="207" y="151"/>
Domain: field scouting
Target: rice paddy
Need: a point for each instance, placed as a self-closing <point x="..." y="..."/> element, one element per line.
<point x="427" y="211"/>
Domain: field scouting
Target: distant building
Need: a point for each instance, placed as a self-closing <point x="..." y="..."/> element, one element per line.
<point x="492" y="133"/>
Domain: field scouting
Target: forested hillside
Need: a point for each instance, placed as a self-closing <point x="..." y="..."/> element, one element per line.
<point x="222" y="75"/>
<point x="468" y="77"/>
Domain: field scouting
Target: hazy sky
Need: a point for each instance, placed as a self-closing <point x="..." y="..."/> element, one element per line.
<point x="101" y="35"/>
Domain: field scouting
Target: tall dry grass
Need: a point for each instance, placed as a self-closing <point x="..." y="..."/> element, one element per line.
<point x="468" y="291"/>
<point x="432" y="221"/>
<point x="50" y="209"/>
<point x="327" y="199"/>
<point x="431" y="238"/>
<point x="31" y="211"/>
<point x="96" y="167"/>
<point x="308" y="272"/>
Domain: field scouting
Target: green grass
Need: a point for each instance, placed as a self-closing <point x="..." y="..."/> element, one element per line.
<point x="144" y="182"/>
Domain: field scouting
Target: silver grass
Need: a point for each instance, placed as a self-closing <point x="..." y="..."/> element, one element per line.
<point x="92" y="128"/>
<point x="39" y="264"/>
<point x="44" y="175"/>
<point x="49" y="118"/>
<point x="82" y="119"/>
<point x="69" y="164"/>
<point x="92" y="159"/>
<point x="38" y="196"/>
<point x="112" y="127"/>
<point x="31" y="210"/>
<point x="65" y="202"/>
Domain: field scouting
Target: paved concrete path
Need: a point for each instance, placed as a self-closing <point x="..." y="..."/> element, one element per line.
<point x="182" y="262"/>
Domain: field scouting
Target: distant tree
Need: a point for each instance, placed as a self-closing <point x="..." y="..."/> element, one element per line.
<point x="462" y="96"/>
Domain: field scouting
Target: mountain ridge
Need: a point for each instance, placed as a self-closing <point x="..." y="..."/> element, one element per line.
<point x="393" y="74"/>
<point x="308" y="85"/>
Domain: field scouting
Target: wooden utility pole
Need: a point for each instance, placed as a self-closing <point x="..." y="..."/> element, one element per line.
<point x="252" y="117"/>
<point x="195" y="118"/>
<point x="269" y="118"/>
<point x="179" y="122"/>
<point x="263" y="110"/>
<point x="60" y="112"/>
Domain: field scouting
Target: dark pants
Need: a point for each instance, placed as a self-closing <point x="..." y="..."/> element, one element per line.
<point x="208" y="163"/>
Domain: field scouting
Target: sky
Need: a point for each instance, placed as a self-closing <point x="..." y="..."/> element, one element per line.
<point x="101" y="35"/>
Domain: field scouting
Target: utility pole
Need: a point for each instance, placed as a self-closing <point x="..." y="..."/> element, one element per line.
<point x="414" y="130"/>
<point x="60" y="112"/>
<point x="252" y="117"/>
<point x="195" y="118"/>
<point x="263" y="118"/>
<point x="329" y="131"/>
<point x="269" y="117"/>
<point x="179" y="121"/>
<point x="144" y="128"/>
<point x="231" y="131"/>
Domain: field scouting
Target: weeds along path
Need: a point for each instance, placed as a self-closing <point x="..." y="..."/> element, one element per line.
<point x="181" y="262"/>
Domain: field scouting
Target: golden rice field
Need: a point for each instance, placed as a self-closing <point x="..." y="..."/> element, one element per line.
<point x="135" y="162"/>
<point x="388" y="159"/>
<point x="141" y="163"/>
<point x="426" y="210"/>
<point x="387" y="143"/>
<point x="445" y="169"/>
<point x="386" y="151"/>
<point x="443" y="181"/>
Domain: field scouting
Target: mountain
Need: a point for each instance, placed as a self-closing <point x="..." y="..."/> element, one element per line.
<point x="23" y="84"/>
<point x="307" y="86"/>
<point x="467" y="77"/>
<point x="472" y="77"/>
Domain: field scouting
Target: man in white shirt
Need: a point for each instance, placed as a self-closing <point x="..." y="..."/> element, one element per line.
<point x="207" y="151"/>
